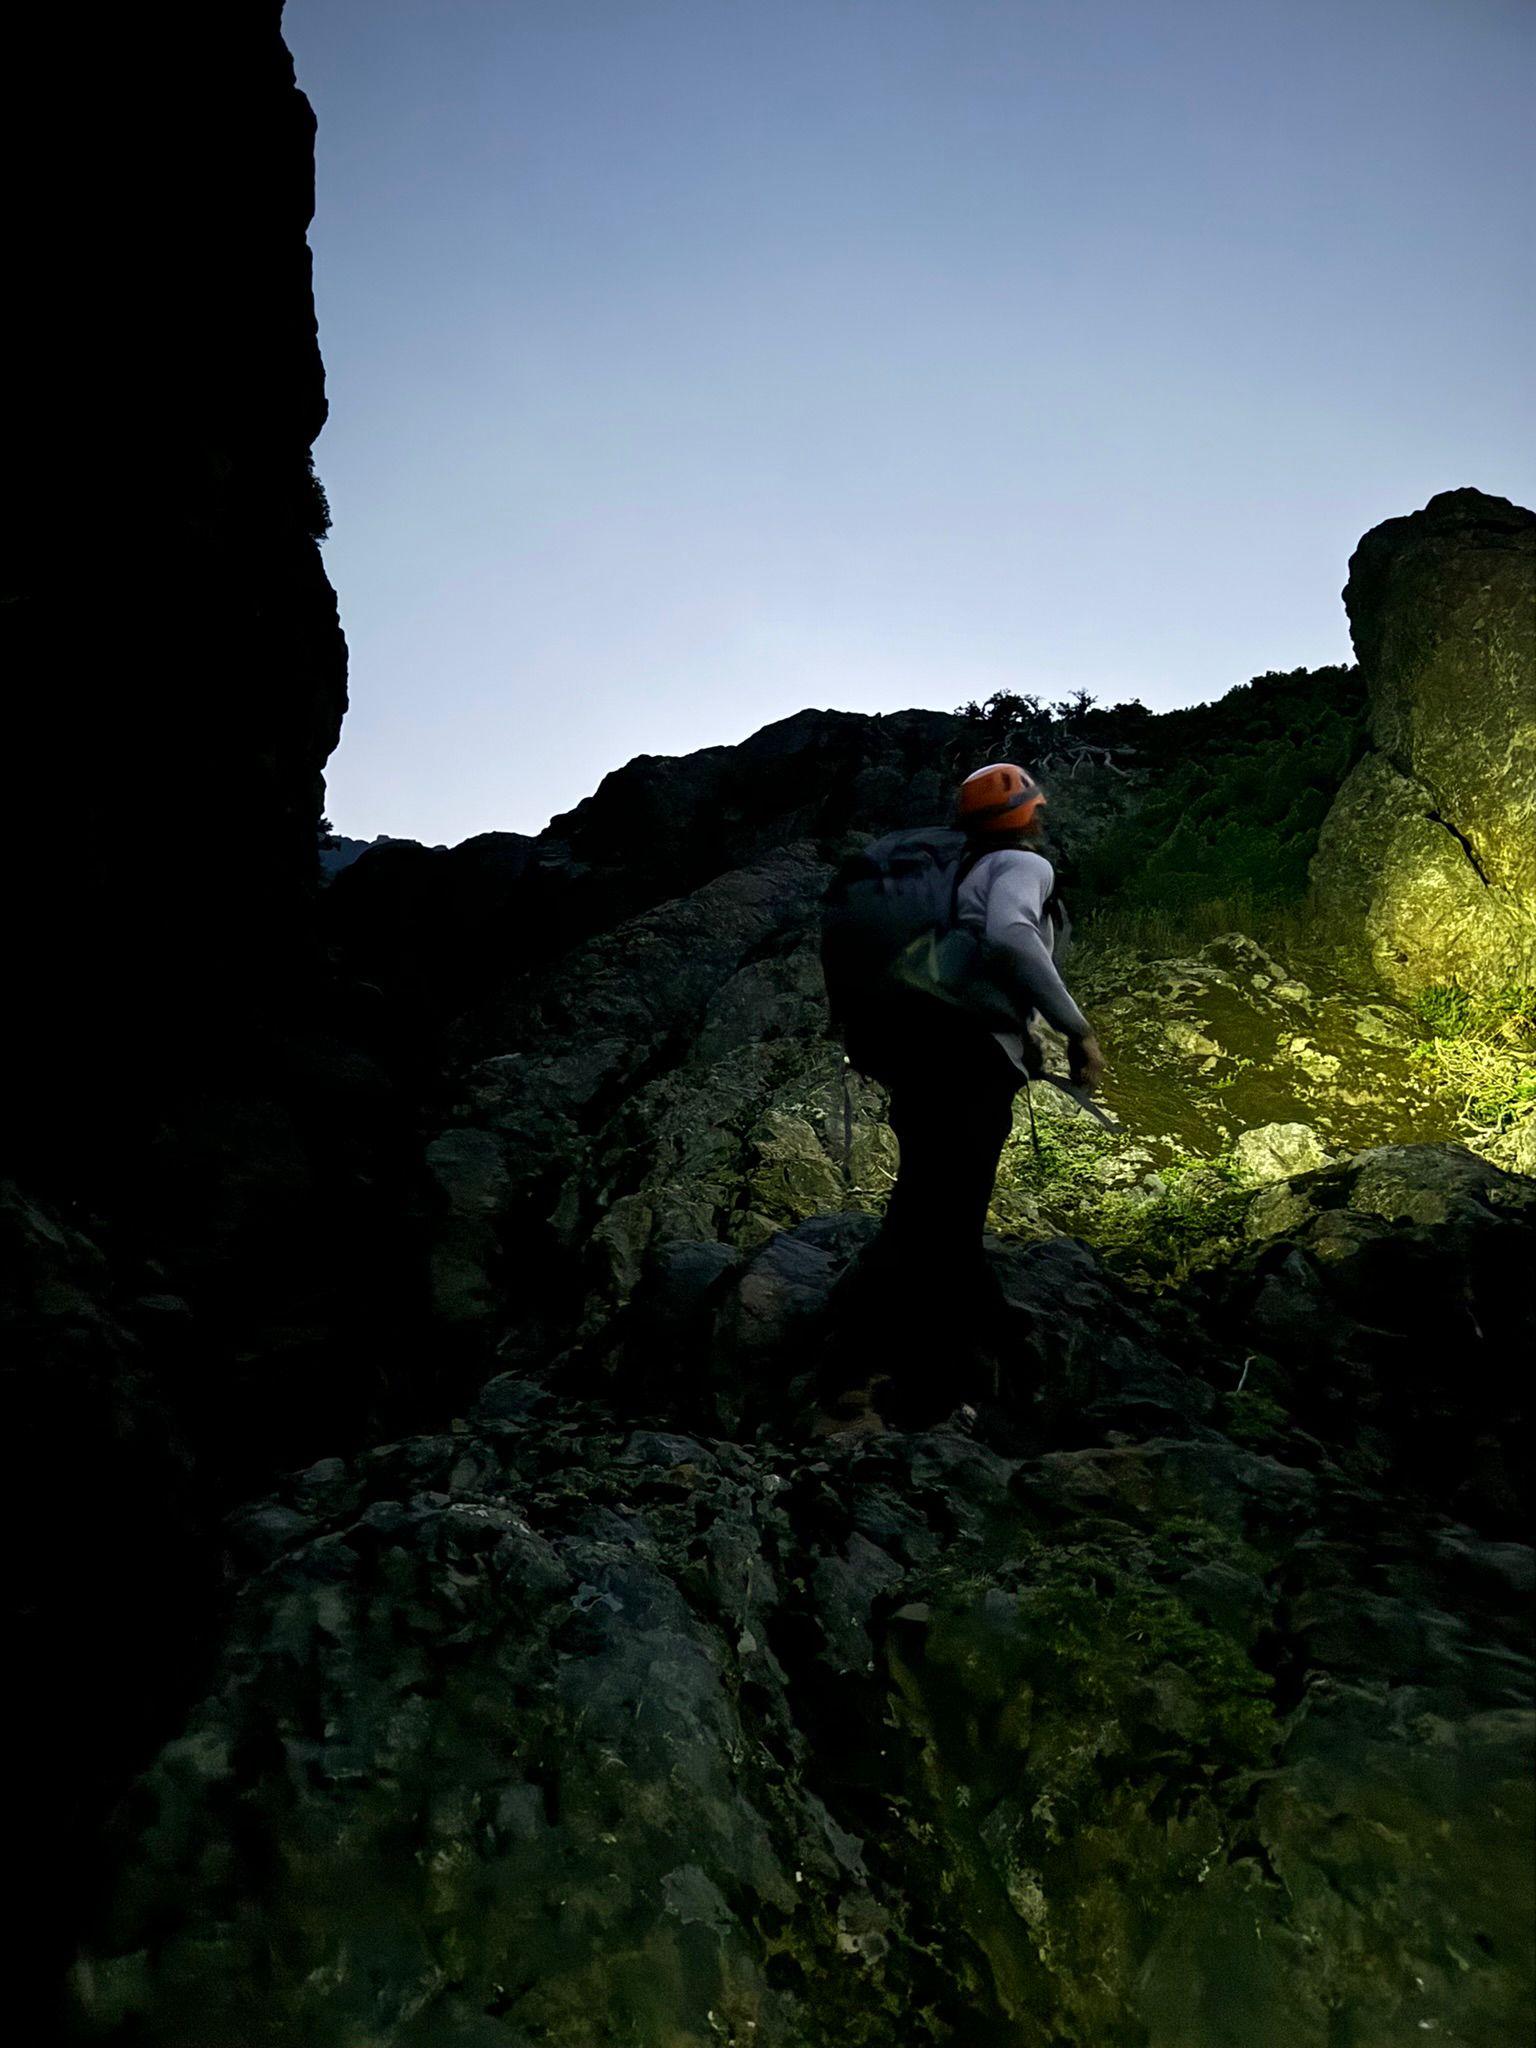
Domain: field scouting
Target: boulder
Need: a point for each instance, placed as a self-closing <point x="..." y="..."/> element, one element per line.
<point x="1426" y="866"/>
<point x="1442" y="610"/>
<point x="1275" y="1151"/>
<point x="1398" y="889"/>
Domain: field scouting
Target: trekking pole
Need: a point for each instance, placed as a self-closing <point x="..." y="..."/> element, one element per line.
<point x="1034" y="1135"/>
<point x="847" y="1122"/>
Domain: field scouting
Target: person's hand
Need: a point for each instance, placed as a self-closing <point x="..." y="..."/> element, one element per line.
<point x="1087" y="1060"/>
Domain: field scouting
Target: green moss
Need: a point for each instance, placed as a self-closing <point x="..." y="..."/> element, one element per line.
<point x="1180" y="1540"/>
<point x="1233" y="1693"/>
<point x="1076" y="1736"/>
<point x="1061" y="1166"/>
<point x="1098" y="1618"/>
<point x="1254" y="1417"/>
<point x="1103" y="1648"/>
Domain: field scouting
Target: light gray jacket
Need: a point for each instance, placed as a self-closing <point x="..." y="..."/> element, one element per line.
<point x="1003" y="901"/>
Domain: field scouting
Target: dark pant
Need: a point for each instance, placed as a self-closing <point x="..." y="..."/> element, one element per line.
<point x="952" y="1088"/>
<point x="921" y="1310"/>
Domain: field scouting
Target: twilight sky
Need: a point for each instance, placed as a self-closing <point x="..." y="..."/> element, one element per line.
<point x="692" y="361"/>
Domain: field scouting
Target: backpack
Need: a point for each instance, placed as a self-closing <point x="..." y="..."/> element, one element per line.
<point x="890" y="925"/>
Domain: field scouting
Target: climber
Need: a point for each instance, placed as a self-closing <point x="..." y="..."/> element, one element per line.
<point x="952" y="1078"/>
<point x="938" y="950"/>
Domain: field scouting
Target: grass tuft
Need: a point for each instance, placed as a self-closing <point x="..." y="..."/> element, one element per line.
<point x="1482" y="1050"/>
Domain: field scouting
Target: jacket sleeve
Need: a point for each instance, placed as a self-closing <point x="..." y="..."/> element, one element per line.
<point x="1014" y="943"/>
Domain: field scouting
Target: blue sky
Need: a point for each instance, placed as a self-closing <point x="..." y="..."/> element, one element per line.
<point x="692" y="361"/>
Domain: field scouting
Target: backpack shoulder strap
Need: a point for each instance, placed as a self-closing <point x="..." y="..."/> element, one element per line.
<point x="967" y="865"/>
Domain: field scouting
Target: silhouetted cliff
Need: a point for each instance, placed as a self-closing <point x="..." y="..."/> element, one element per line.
<point x="190" y="1147"/>
<point x="171" y="640"/>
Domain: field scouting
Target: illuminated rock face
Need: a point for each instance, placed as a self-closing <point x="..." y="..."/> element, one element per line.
<point x="1427" y="862"/>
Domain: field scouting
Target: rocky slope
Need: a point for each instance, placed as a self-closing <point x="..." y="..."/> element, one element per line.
<point x="1159" y="1676"/>
<point x="1172" y="1690"/>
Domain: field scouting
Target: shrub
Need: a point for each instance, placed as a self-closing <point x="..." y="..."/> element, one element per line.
<point x="1482" y="1049"/>
<point x="1235" y="793"/>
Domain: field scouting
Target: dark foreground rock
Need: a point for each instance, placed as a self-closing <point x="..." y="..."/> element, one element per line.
<point x="1163" y="1681"/>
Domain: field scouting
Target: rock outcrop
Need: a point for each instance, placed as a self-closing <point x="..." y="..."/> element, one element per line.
<point x="1426" y="866"/>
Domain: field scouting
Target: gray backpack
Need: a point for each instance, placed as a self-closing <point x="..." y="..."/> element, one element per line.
<point x="890" y="923"/>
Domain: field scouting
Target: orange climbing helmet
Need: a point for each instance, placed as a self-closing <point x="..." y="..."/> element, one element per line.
<point x="999" y="798"/>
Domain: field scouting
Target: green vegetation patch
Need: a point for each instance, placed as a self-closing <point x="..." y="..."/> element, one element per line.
<point x="1482" y="1051"/>
<point x="1235" y="795"/>
<point x="1152" y="1223"/>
